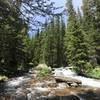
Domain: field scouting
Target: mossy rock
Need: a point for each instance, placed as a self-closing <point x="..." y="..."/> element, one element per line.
<point x="3" y="78"/>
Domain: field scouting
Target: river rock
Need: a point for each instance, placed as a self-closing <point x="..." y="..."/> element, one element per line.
<point x="62" y="85"/>
<point x="21" y="96"/>
<point x="41" y="90"/>
<point x="31" y="71"/>
<point x="41" y="84"/>
<point x="74" y="85"/>
<point x="37" y="92"/>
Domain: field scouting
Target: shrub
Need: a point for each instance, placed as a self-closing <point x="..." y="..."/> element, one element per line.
<point x="44" y="72"/>
<point x="94" y="73"/>
<point x="83" y="69"/>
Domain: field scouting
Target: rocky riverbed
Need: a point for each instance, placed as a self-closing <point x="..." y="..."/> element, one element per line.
<point x="29" y="87"/>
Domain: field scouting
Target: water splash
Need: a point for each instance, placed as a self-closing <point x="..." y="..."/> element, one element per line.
<point x="17" y="81"/>
<point x="69" y="73"/>
<point x="64" y="72"/>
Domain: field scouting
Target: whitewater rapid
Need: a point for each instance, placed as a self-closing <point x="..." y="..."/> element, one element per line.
<point x="60" y="72"/>
<point x="69" y="73"/>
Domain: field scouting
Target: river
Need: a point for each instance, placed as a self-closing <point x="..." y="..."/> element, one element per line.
<point x="27" y="87"/>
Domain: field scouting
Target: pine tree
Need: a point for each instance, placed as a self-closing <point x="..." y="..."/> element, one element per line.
<point x="88" y="17"/>
<point x="60" y="32"/>
<point x="91" y="19"/>
<point x="12" y="33"/>
<point x="52" y="45"/>
<point x="96" y="22"/>
<point x="36" y="48"/>
<point x="76" y="48"/>
<point x="50" y="48"/>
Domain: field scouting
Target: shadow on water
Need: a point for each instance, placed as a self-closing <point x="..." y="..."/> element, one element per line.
<point x="71" y="97"/>
<point x="2" y="88"/>
<point x="89" y="95"/>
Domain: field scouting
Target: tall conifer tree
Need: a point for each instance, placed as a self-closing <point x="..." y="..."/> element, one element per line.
<point x="76" y="48"/>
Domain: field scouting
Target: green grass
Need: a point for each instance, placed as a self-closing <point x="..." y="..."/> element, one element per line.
<point x="94" y="73"/>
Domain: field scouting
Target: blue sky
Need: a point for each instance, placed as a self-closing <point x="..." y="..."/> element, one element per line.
<point x="77" y="3"/>
<point x="59" y="3"/>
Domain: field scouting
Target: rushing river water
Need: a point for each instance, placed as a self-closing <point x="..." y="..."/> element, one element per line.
<point x="85" y="81"/>
<point x="22" y="88"/>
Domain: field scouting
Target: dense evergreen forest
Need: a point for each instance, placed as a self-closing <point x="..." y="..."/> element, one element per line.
<point x="59" y="44"/>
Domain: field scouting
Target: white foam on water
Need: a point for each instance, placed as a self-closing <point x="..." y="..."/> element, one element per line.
<point x="88" y="81"/>
<point x="40" y="89"/>
<point x="16" y="81"/>
<point x="85" y="81"/>
<point x="63" y="72"/>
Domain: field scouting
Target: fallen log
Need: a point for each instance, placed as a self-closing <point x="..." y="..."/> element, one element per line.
<point x="68" y="80"/>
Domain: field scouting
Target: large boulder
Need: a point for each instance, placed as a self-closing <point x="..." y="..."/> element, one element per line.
<point x="69" y="81"/>
<point x="3" y="78"/>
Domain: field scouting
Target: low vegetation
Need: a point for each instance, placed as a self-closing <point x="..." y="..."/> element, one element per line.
<point x="94" y="73"/>
<point x="43" y="70"/>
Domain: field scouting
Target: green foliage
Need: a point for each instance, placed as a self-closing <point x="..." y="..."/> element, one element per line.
<point x="94" y="73"/>
<point x="49" y="44"/>
<point x="45" y="71"/>
<point x="55" y="47"/>
<point x="13" y="31"/>
<point x="75" y="45"/>
<point x="82" y="36"/>
<point x="52" y="45"/>
<point x="88" y="67"/>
